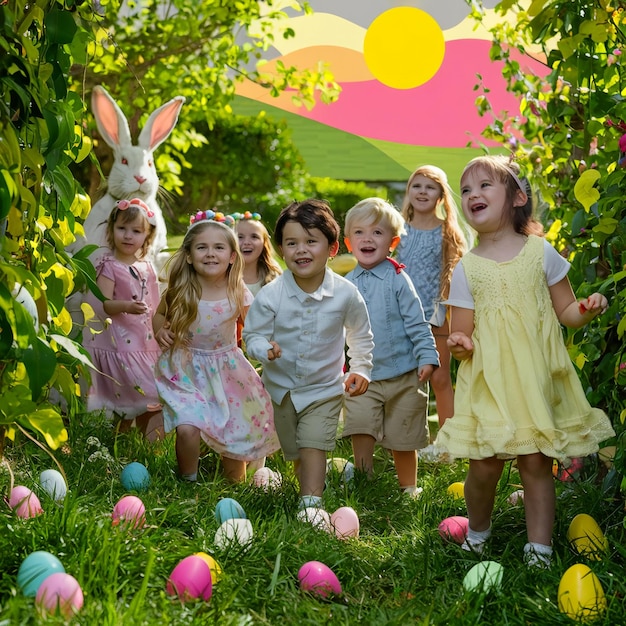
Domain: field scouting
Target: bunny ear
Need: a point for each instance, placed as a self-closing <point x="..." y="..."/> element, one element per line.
<point x="160" y="124"/>
<point x="110" y="119"/>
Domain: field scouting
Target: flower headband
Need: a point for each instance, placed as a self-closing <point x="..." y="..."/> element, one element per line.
<point x="210" y="215"/>
<point x="122" y="205"/>
<point x="247" y="216"/>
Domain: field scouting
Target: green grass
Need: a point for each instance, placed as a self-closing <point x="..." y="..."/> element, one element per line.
<point x="399" y="571"/>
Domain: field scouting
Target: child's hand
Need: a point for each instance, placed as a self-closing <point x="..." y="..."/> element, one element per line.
<point x="594" y="305"/>
<point x="355" y="385"/>
<point x="461" y="346"/>
<point x="274" y="352"/>
<point x="137" y="307"/>
<point x="165" y="337"/>
<point x="425" y="372"/>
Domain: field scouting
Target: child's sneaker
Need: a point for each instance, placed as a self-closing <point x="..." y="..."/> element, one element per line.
<point x="476" y="540"/>
<point x="413" y="492"/>
<point x="537" y="555"/>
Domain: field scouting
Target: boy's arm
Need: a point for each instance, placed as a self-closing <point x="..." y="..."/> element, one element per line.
<point x="415" y="325"/>
<point x="258" y="330"/>
<point x="359" y="337"/>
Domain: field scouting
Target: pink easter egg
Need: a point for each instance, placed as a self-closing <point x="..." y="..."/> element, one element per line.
<point x="345" y="522"/>
<point x="319" y="579"/>
<point x="60" y="593"/>
<point x="454" y="528"/>
<point x="191" y="579"/>
<point x="129" y="511"/>
<point x="24" y="502"/>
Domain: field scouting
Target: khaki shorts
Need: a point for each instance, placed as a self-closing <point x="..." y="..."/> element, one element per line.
<point x="313" y="427"/>
<point x="393" y="411"/>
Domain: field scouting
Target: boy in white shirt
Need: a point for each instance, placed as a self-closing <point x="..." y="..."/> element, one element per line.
<point x="298" y="327"/>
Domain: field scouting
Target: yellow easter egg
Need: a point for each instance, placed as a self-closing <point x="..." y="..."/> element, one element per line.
<point x="457" y="490"/>
<point x="606" y="456"/>
<point x="580" y="594"/>
<point x="214" y="566"/>
<point x="343" y="263"/>
<point x="587" y="537"/>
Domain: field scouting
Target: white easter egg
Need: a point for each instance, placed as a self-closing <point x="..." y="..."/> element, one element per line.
<point x="53" y="483"/>
<point x="236" y="530"/>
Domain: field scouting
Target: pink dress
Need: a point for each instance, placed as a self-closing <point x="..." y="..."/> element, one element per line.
<point x="126" y="350"/>
<point x="212" y="386"/>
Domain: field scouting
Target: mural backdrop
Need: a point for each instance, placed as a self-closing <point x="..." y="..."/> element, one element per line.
<point x="408" y="73"/>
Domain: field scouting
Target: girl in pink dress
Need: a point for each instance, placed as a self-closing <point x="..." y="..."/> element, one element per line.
<point x="121" y="343"/>
<point x="208" y="388"/>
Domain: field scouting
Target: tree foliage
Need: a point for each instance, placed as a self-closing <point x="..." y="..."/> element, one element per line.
<point x="571" y="122"/>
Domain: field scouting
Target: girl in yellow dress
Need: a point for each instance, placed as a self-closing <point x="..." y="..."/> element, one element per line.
<point x="517" y="394"/>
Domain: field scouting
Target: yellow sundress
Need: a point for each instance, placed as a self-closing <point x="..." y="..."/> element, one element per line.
<point x="519" y="393"/>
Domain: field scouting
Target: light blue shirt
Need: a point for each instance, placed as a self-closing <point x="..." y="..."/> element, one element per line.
<point x="312" y="330"/>
<point x="403" y="340"/>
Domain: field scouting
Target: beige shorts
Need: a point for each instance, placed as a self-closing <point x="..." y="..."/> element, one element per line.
<point x="313" y="427"/>
<point x="393" y="411"/>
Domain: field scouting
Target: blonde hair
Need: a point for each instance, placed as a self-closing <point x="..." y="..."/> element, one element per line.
<point x="375" y="211"/>
<point x="267" y="267"/>
<point x="455" y="242"/>
<point x="128" y="215"/>
<point x="500" y="168"/>
<point x="184" y="290"/>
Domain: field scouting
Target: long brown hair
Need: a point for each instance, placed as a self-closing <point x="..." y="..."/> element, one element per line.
<point x="455" y="242"/>
<point x="184" y="290"/>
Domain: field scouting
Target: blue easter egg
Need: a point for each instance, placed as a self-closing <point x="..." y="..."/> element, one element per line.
<point x="35" y="568"/>
<point x="135" y="477"/>
<point x="227" y="508"/>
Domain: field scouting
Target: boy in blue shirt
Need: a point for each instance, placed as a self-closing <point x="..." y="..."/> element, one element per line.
<point x="394" y="409"/>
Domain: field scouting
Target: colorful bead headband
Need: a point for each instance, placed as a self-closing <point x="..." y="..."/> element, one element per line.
<point x="247" y="216"/>
<point x="122" y="205"/>
<point x="211" y="216"/>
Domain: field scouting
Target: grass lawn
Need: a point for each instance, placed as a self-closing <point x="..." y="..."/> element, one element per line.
<point x="398" y="571"/>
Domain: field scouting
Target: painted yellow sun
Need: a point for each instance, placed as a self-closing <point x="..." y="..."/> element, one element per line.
<point x="404" y="47"/>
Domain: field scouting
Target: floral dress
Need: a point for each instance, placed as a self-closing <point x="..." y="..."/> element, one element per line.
<point x="125" y="350"/>
<point x="211" y="385"/>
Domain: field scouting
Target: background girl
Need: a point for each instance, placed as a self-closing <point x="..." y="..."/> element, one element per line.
<point x="260" y="266"/>
<point x="207" y="386"/>
<point x="126" y="350"/>
<point x="430" y="248"/>
<point x="517" y="394"/>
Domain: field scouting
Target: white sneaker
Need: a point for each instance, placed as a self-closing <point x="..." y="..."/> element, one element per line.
<point x="535" y="558"/>
<point x="413" y="492"/>
<point x="477" y="547"/>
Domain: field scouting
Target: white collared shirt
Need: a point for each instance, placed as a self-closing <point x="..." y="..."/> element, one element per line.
<point x="312" y="330"/>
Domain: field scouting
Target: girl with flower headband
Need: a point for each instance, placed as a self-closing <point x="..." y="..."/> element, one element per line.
<point x="208" y="388"/>
<point x="517" y="392"/>
<point x="260" y="266"/>
<point x="123" y="348"/>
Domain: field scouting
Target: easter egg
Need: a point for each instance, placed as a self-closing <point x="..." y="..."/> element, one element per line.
<point x="319" y="579"/>
<point x="342" y="466"/>
<point x="267" y="479"/>
<point x="214" y="566"/>
<point x="59" y="593"/>
<point x="191" y="579"/>
<point x="484" y="576"/>
<point x="135" y="477"/>
<point x="130" y="512"/>
<point x="457" y="490"/>
<point x="227" y="508"/>
<point x="24" y="502"/>
<point x="454" y="528"/>
<point x="345" y="522"/>
<point x="606" y="455"/>
<point x="315" y="516"/>
<point x="53" y="483"/>
<point x="234" y="531"/>
<point x="35" y="568"/>
<point x="587" y="537"/>
<point x="580" y="594"/>
<point x="517" y="497"/>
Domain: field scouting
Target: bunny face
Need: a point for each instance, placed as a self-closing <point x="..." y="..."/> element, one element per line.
<point x="133" y="173"/>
